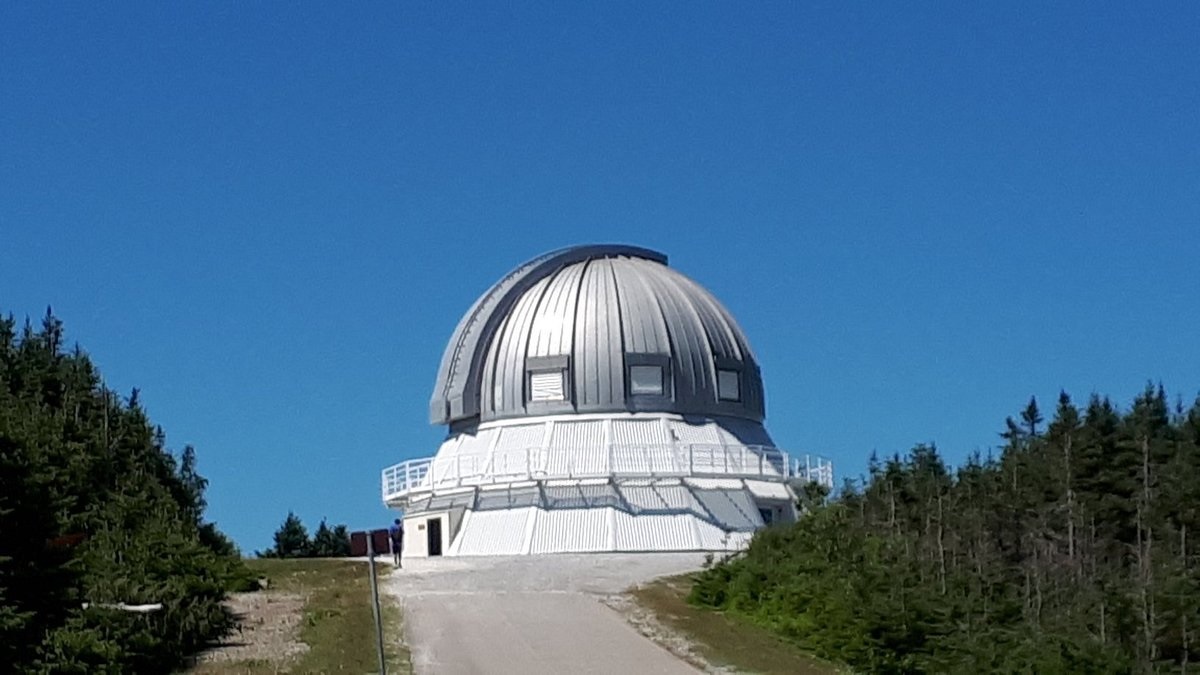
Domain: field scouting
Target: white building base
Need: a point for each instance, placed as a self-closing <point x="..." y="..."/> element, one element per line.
<point x="582" y="516"/>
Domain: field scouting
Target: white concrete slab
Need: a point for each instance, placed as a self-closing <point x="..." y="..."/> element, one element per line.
<point x="530" y="614"/>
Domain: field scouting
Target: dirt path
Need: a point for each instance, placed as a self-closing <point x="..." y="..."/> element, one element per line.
<point x="270" y="632"/>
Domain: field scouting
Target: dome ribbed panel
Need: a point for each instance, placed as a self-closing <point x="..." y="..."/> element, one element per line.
<point x="598" y="356"/>
<point x="642" y="322"/>
<point x="721" y="336"/>
<point x="510" y="353"/>
<point x="695" y="378"/>
<point x="490" y="394"/>
<point x="552" y="329"/>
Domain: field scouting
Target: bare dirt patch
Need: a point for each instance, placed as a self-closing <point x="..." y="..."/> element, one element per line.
<point x="315" y="617"/>
<point x="270" y="632"/>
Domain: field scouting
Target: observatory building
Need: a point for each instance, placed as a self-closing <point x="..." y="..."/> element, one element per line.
<point x="597" y="400"/>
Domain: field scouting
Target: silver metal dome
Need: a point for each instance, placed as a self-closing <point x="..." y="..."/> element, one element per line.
<point x="596" y="329"/>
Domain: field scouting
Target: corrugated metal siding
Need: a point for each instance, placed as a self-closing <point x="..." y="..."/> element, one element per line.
<point x="579" y="446"/>
<point x="732" y="509"/>
<point x="744" y="432"/>
<point x="659" y="498"/>
<point x="577" y="434"/>
<point x="744" y="502"/>
<point x="495" y="532"/>
<point x="678" y="497"/>
<point x="672" y="532"/>
<point x="467" y="444"/>
<point x="694" y="433"/>
<point x="447" y="502"/>
<point x="762" y="489"/>
<point x="587" y="518"/>
<point x="571" y="531"/>
<point x="490" y="500"/>
<point x="714" y="483"/>
<point x="712" y="459"/>
<point x="640" y="459"/>
<point x="643" y="498"/>
<point x="520" y="437"/>
<point x="640" y="432"/>
<point x="712" y="538"/>
<point x="580" y="496"/>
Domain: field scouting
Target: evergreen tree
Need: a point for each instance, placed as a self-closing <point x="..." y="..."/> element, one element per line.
<point x="1072" y="551"/>
<point x="330" y="543"/>
<point x="291" y="539"/>
<point x="93" y="509"/>
<point x="341" y="540"/>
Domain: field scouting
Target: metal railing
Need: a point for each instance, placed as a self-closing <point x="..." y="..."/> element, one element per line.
<point x="613" y="461"/>
<point x="812" y="468"/>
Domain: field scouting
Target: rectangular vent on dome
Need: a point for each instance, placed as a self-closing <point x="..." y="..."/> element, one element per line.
<point x="547" y="386"/>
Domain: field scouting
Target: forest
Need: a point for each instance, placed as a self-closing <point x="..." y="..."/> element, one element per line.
<point x="1072" y="550"/>
<point x="96" y="511"/>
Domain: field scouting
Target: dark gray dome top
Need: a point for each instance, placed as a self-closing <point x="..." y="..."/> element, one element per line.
<point x="596" y="329"/>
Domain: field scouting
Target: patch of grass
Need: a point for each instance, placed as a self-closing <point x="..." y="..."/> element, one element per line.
<point x="726" y="640"/>
<point x="337" y="622"/>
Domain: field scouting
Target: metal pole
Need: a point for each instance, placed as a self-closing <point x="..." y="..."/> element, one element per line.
<point x="375" y="602"/>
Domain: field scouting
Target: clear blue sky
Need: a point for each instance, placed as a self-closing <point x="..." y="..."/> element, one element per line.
<point x="269" y="217"/>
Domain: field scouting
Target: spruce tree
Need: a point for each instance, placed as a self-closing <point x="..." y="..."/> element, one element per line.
<point x="291" y="539"/>
<point x="1072" y="551"/>
<point x="92" y="510"/>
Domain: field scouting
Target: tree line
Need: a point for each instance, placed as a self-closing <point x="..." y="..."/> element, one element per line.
<point x="1074" y="550"/>
<point x="292" y="541"/>
<point x="96" y="511"/>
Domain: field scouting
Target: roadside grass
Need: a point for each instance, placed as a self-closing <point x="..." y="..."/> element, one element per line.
<point x="724" y="640"/>
<point x="336" y="622"/>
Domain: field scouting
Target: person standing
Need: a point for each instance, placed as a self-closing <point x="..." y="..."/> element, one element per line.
<point x="396" y="535"/>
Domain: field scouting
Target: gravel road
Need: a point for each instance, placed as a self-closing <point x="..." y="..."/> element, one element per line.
<point x="530" y="614"/>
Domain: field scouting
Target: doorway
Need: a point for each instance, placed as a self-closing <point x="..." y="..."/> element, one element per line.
<point x="433" y="536"/>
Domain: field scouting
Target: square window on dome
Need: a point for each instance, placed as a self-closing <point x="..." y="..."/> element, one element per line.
<point x="646" y="380"/>
<point x="729" y="385"/>
<point x="547" y="386"/>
